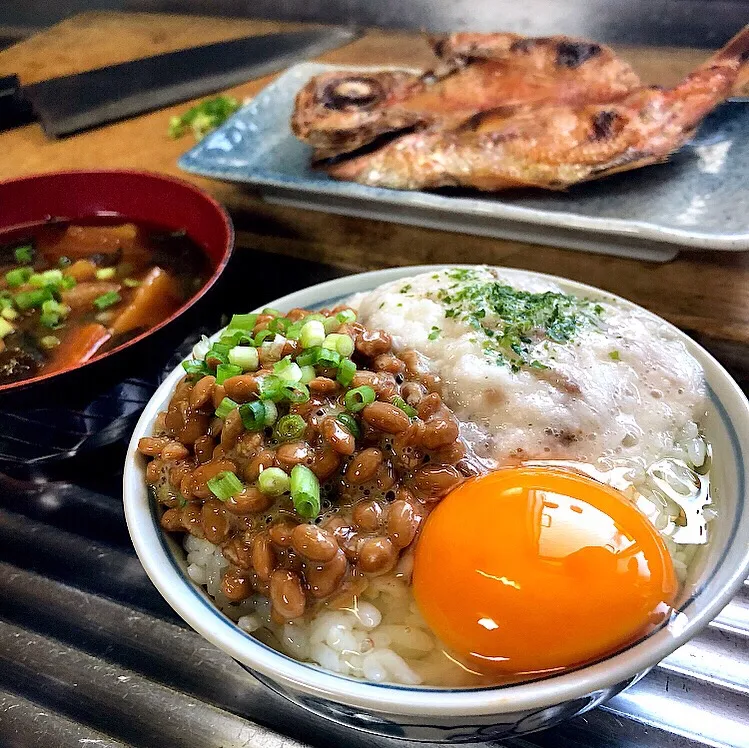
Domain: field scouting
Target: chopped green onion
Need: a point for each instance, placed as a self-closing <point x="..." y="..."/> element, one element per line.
<point x="105" y="273"/>
<point x="6" y="328"/>
<point x="314" y="316"/>
<point x="308" y="374"/>
<point x="194" y="367"/>
<point x="107" y="299"/>
<point x="262" y="336"/>
<point x="225" y="485"/>
<point x="279" y="325"/>
<point x="287" y="370"/>
<point x="235" y="338"/>
<point x="312" y="334"/>
<point x="53" y="313"/>
<point x="273" y="312"/>
<point x="295" y="392"/>
<point x="273" y="481"/>
<point x="399" y="402"/>
<point x="203" y="117"/>
<point x="225" y="407"/>
<point x="341" y="343"/>
<point x="289" y="427"/>
<point x="350" y="423"/>
<point x="328" y="359"/>
<point x="270" y="387"/>
<point x="218" y="352"/>
<point x="346" y="372"/>
<point x="331" y="324"/>
<point x="242" y="322"/>
<point x="305" y="492"/>
<point x="294" y="330"/>
<point x="9" y="313"/>
<point x="271" y="412"/>
<point x="29" y="299"/>
<point x="49" y="341"/>
<point x="346" y="316"/>
<point x="18" y="276"/>
<point x="68" y="282"/>
<point x="253" y="415"/>
<point x="358" y="398"/>
<point x="130" y="282"/>
<point x="245" y="357"/>
<point x="51" y="278"/>
<point x="308" y="357"/>
<point x="224" y="371"/>
<point x="25" y="254"/>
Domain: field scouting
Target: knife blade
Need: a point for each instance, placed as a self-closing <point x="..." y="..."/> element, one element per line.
<point x="72" y="103"/>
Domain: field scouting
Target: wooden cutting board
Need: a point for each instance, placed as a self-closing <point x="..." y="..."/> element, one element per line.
<point x="706" y="293"/>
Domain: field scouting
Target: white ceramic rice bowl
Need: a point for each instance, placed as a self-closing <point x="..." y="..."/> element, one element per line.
<point x="465" y="715"/>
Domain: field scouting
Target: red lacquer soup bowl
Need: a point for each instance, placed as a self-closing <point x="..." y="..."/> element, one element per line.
<point x="110" y="197"/>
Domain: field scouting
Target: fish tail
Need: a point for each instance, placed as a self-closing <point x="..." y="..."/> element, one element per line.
<point x="735" y="51"/>
<point x="737" y="48"/>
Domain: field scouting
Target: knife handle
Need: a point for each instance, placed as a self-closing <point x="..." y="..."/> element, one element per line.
<point x="15" y="110"/>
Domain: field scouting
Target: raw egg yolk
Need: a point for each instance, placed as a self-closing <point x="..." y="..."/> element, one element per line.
<point x="531" y="569"/>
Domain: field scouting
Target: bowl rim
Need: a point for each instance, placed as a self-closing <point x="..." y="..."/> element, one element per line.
<point x="220" y="212"/>
<point x="193" y="606"/>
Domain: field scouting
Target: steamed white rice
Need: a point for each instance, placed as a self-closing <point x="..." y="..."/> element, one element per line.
<point x="382" y="637"/>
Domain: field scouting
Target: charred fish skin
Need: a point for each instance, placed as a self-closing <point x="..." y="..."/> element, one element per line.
<point x="553" y="147"/>
<point x="339" y="112"/>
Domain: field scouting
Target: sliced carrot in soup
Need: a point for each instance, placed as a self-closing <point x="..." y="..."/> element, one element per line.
<point x="78" y="242"/>
<point x="82" y="270"/>
<point x="77" y="347"/>
<point x="155" y="299"/>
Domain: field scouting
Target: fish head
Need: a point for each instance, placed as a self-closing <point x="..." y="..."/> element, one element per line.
<point x="342" y="110"/>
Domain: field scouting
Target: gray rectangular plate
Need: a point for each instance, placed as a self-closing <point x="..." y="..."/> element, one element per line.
<point x="697" y="200"/>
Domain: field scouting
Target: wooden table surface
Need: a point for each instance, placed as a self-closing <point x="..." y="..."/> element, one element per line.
<point x="702" y="292"/>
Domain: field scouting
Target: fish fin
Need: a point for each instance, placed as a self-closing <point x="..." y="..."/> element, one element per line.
<point x="737" y="48"/>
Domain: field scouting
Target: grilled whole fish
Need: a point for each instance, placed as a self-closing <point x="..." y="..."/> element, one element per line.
<point x="341" y="111"/>
<point x="555" y="146"/>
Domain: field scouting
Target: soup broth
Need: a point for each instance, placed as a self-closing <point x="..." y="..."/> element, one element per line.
<point x="71" y="291"/>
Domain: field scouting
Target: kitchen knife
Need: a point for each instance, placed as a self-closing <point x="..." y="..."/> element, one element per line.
<point x="78" y="102"/>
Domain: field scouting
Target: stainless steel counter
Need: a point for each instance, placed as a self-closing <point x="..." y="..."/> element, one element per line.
<point x="90" y="655"/>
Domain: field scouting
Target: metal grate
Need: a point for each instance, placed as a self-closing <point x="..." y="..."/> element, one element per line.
<point x="90" y="655"/>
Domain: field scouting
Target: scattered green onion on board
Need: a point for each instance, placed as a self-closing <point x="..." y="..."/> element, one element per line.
<point x="203" y="117"/>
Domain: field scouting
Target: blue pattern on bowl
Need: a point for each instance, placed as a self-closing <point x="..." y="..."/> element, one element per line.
<point x="697" y="199"/>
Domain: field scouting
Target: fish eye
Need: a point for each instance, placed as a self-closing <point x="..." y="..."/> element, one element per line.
<point x="352" y="93"/>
